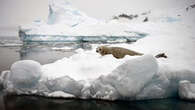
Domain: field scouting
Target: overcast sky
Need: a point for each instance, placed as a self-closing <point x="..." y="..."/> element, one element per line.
<point x="16" y="12"/>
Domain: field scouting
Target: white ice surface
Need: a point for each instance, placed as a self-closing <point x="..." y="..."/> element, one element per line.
<point x="86" y="64"/>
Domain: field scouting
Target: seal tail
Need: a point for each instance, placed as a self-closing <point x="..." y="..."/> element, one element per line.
<point x="161" y="55"/>
<point x="133" y="53"/>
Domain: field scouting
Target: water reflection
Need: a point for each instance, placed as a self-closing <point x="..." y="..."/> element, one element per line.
<point x="41" y="52"/>
<point x="50" y="52"/>
<point x="33" y="103"/>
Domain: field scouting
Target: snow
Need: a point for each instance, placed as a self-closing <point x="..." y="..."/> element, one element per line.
<point x="90" y="69"/>
<point x="88" y="75"/>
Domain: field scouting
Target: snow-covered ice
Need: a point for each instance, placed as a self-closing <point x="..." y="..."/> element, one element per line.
<point x="125" y="79"/>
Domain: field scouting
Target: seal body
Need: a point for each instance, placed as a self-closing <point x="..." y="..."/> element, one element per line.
<point x="117" y="52"/>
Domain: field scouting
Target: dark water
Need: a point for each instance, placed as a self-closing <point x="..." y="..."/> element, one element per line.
<point x="45" y="53"/>
<point x="40" y="103"/>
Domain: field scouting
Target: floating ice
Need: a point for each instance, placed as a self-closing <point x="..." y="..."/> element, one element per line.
<point x="123" y="80"/>
<point x="25" y="73"/>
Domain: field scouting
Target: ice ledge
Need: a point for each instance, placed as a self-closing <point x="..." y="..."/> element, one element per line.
<point x="79" y="39"/>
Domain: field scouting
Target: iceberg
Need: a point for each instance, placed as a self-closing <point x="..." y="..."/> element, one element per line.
<point x="109" y="83"/>
<point x="68" y="24"/>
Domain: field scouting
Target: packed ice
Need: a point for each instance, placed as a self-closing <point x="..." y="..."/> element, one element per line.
<point x="88" y="75"/>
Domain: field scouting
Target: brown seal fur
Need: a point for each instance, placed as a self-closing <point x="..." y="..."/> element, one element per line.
<point x="119" y="52"/>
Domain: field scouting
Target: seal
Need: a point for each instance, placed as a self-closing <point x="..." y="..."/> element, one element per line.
<point x="119" y="52"/>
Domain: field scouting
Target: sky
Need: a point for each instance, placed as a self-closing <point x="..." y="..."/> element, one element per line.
<point x="18" y="12"/>
<point x="15" y="12"/>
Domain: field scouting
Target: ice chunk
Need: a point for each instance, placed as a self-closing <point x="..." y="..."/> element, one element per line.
<point x="25" y="73"/>
<point x="60" y="94"/>
<point x="4" y="78"/>
<point x="126" y="81"/>
<point x="186" y="90"/>
<point x="65" y="84"/>
<point x="136" y="72"/>
<point x="158" y="87"/>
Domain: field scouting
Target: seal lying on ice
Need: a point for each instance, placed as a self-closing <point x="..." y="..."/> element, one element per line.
<point x="119" y="52"/>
